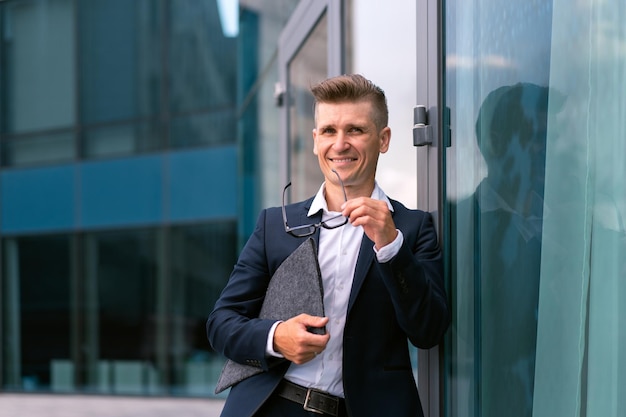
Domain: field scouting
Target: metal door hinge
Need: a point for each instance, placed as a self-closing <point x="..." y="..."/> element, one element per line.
<point x="422" y="131"/>
<point x="279" y="94"/>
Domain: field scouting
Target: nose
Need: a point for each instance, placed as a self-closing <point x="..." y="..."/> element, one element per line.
<point x="340" y="143"/>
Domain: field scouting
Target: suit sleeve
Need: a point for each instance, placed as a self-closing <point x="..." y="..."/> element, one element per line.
<point x="414" y="279"/>
<point x="233" y="327"/>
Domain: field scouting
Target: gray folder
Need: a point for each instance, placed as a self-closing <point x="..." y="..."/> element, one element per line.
<point x="295" y="288"/>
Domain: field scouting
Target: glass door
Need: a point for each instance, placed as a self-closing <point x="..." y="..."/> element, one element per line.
<point x="534" y="189"/>
<point x="497" y="69"/>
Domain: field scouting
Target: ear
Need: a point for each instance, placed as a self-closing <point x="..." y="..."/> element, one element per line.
<point x="315" y="141"/>
<point x="385" y="138"/>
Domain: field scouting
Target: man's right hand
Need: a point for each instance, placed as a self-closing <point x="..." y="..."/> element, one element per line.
<point x="296" y="343"/>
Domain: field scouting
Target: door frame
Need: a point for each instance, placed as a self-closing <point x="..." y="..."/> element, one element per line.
<point x="430" y="175"/>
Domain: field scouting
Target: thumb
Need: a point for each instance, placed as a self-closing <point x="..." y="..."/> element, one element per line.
<point x="313" y="321"/>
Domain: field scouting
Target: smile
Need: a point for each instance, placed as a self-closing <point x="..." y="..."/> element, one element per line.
<point x="342" y="160"/>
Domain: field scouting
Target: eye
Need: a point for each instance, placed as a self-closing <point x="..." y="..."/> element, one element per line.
<point x="355" y="129"/>
<point x="327" y="131"/>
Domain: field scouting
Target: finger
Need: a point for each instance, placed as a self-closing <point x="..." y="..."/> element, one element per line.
<point x="360" y="207"/>
<point x="295" y="343"/>
<point x="373" y="218"/>
<point x="311" y="321"/>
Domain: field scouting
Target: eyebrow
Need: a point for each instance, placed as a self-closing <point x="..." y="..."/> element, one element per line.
<point x="325" y="127"/>
<point x="349" y="126"/>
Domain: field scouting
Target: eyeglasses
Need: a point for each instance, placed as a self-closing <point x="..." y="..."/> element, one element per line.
<point x="308" y="229"/>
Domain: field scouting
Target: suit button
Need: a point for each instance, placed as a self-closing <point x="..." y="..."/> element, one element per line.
<point x="402" y="281"/>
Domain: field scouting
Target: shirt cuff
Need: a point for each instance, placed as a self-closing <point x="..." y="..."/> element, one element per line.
<point x="386" y="253"/>
<point x="269" y="347"/>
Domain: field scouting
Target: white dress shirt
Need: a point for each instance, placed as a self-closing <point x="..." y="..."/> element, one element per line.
<point x="337" y="254"/>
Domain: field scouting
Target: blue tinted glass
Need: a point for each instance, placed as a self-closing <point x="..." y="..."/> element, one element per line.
<point x="37" y="89"/>
<point x="120" y="59"/>
<point x="40" y="149"/>
<point x="499" y="89"/>
<point x="120" y="140"/>
<point x="207" y="128"/>
<point x="202" y="59"/>
<point x="37" y="295"/>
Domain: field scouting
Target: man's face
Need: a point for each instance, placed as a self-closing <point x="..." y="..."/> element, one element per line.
<point x="347" y="140"/>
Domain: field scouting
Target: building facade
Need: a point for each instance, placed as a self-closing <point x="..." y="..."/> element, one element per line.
<point x="118" y="193"/>
<point x="139" y="140"/>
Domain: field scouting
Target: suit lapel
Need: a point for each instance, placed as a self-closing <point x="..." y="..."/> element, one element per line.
<point x="363" y="263"/>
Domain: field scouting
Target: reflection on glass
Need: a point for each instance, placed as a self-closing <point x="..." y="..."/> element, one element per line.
<point x="502" y="222"/>
<point x="120" y="60"/>
<point x="208" y="128"/>
<point x="36" y="299"/>
<point x="308" y="67"/>
<point x="40" y="149"/>
<point x="537" y="208"/>
<point x="120" y="292"/>
<point x="37" y="88"/>
<point x="509" y="204"/>
<point x="117" y="312"/>
<point x="121" y="140"/>
<point x="202" y="61"/>
<point x="200" y="260"/>
<point x="581" y="334"/>
<point x="495" y="181"/>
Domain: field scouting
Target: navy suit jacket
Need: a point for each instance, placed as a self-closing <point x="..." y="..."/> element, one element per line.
<point x="389" y="303"/>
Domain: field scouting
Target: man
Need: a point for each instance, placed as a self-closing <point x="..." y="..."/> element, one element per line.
<point x="382" y="278"/>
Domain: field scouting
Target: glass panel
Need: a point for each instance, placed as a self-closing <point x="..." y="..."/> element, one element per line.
<point x="48" y="148"/>
<point x="137" y="325"/>
<point x="535" y="180"/>
<point x="37" y="90"/>
<point x="257" y="113"/>
<point x="207" y="128"/>
<point x="121" y="321"/>
<point x="120" y="59"/>
<point x="497" y="64"/>
<point x="201" y="260"/>
<point x="120" y="140"/>
<point x="308" y="66"/>
<point x="36" y="299"/>
<point x="147" y="296"/>
<point x="581" y="334"/>
<point x="202" y="60"/>
<point x="121" y="76"/>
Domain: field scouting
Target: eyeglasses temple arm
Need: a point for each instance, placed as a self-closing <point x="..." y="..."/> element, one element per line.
<point x="343" y="188"/>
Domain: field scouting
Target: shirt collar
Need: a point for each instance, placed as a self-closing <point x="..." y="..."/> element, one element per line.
<point x="319" y="202"/>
